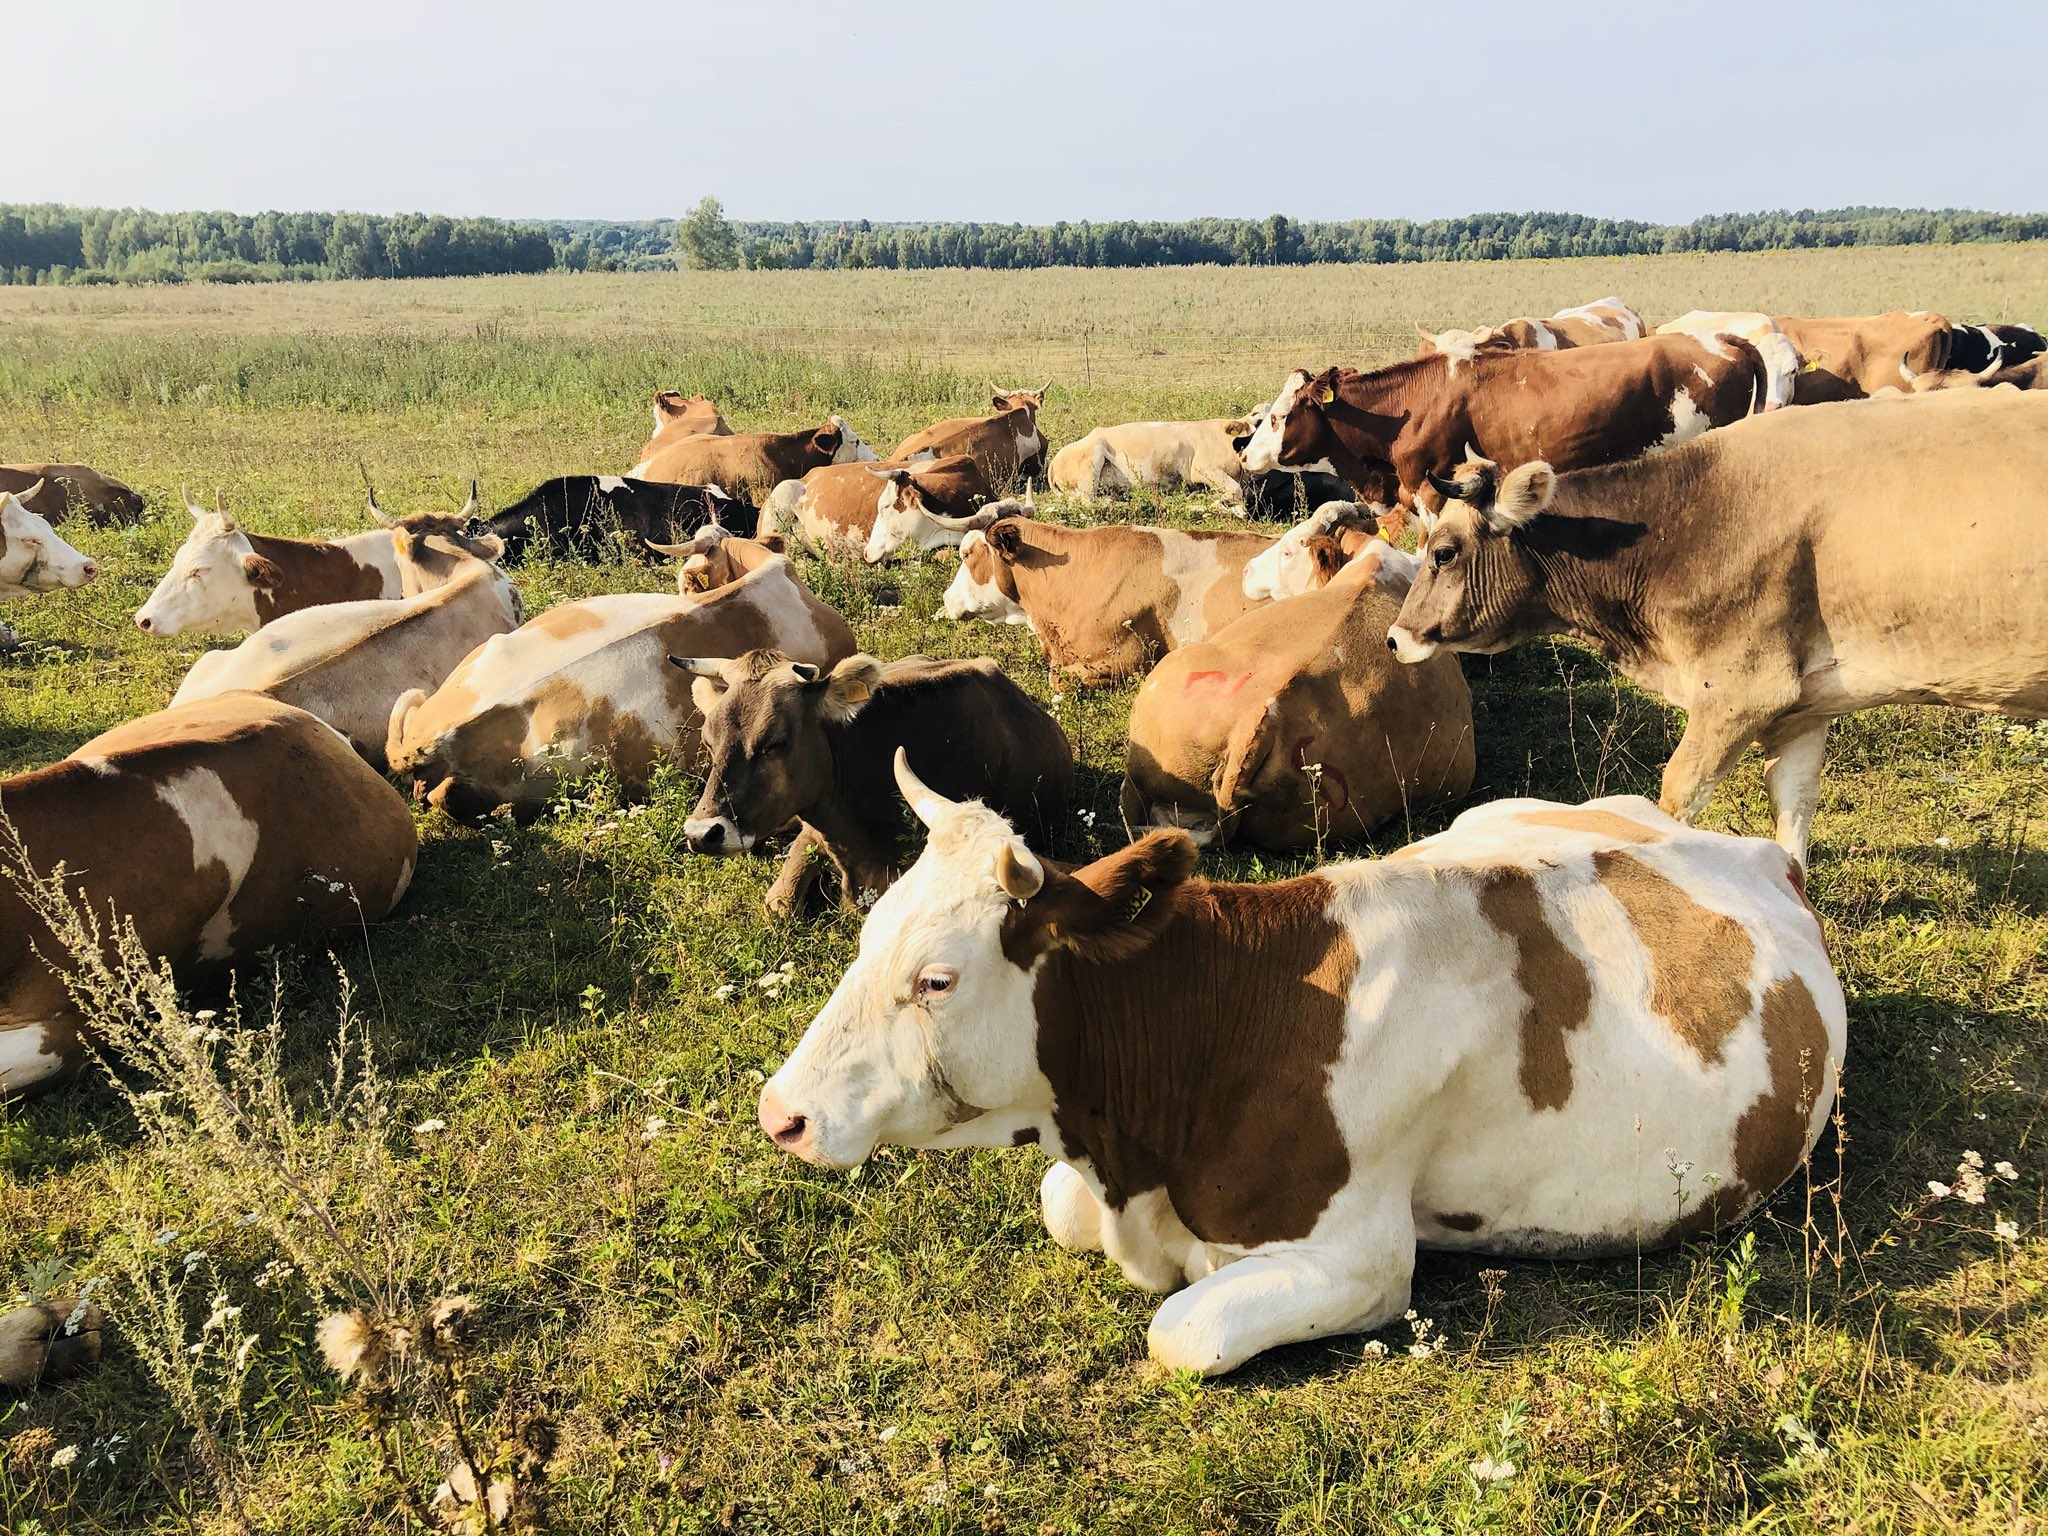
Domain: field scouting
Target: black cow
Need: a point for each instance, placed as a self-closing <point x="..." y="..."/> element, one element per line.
<point x="787" y="742"/>
<point x="592" y="516"/>
<point x="2018" y="344"/>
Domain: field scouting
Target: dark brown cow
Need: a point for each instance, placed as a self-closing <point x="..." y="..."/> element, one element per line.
<point x="751" y="464"/>
<point x="789" y="742"/>
<point x="1385" y="431"/>
<point x="1851" y="357"/>
<point x="70" y="489"/>
<point x="1007" y="445"/>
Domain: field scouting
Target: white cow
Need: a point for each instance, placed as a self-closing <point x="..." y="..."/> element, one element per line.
<point x="33" y="557"/>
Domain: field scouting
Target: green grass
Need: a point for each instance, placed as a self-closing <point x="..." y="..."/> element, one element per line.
<point x="735" y="1341"/>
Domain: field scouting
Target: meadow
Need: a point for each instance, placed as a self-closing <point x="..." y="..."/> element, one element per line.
<point x="578" y="1014"/>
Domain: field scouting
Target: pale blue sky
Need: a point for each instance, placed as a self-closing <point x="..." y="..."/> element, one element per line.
<point x="1032" y="110"/>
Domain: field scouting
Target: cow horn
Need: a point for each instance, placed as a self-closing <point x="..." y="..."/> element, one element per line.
<point x="1019" y="873"/>
<point x="1445" y="485"/>
<point x="1904" y="372"/>
<point x="712" y="667"/>
<point x="984" y="518"/>
<point x="191" y="506"/>
<point x="674" y="552"/>
<point x="1472" y="453"/>
<point x="470" y="508"/>
<point x="1997" y="361"/>
<point x="1029" y="504"/>
<point x="928" y="803"/>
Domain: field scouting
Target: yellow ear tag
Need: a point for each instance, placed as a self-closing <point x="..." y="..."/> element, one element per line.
<point x="1329" y="395"/>
<point x="1140" y="900"/>
<point x="856" y="693"/>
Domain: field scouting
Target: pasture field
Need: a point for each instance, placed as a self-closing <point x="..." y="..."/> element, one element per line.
<point x="732" y="1341"/>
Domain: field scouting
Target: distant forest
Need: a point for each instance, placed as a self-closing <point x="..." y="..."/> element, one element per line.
<point x="50" y="243"/>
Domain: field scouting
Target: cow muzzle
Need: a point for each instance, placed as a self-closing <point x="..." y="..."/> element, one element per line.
<point x="781" y="1124"/>
<point x="715" y="835"/>
<point x="1407" y="646"/>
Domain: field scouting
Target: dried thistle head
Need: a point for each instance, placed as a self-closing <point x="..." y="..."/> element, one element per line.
<point x="449" y="1329"/>
<point x="29" y="1453"/>
<point x="361" y="1348"/>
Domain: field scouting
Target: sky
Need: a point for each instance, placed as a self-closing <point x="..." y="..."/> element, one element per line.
<point x="1028" y="111"/>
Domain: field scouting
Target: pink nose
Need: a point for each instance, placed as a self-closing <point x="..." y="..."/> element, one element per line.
<point x="91" y="569"/>
<point x="785" y="1128"/>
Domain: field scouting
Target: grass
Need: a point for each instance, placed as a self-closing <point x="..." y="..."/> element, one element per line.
<point x="736" y="1342"/>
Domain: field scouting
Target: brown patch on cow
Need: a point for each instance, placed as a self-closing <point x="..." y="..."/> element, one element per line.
<point x="1200" y="1062"/>
<point x="1558" y="992"/>
<point x="287" y="575"/>
<point x="1601" y="824"/>
<point x="1699" y="959"/>
<point x="1770" y="1138"/>
<point x="1460" y="1221"/>
<point x="567" y="619"/>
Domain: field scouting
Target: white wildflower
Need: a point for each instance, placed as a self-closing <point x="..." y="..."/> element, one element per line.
<point x="429" y="1127"/>
<point x="654" y="1127"/>
<point x="242" y="1355"/>
<point x="2005" y="1170"/>
<point x="1376" y="1349"/>
<point x="889" y="1432"/>
<point x="2006" y="1231"/>
<point x="724" y="993"/>
<point x="206" y="1015"/>
<point x="1937" y="1189"/>
<point x="1487" y="1470"/>
<point x="64" y="1457"/>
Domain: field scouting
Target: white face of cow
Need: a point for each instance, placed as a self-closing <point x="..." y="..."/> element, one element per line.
<point x="208" y="590"/>
<point x="32" y="556"/>
<point x="900" y="519"/>
<point x="851" y="449"/>
<point x="932" y="1028"/>
<point x="972" y="597"/>
<point x="1286" y="568"/>
<point x="1262" y="453"/>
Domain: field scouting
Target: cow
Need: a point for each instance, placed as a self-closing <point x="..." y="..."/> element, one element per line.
<point x="677" y="416"/>
<point x="34" y="557"/>
<point x="790" y="741"/>
<point x="1780" y="358"/>
<point x="347" y="662"/>
<point x="1757" y="578"/>
<point x="224" y="580"/>
<point x="838" y="507"/>
<point x="587" y="686"/>
<point x="1386" y="430"/>
<point x="68" y="489"/>
<point x="2013" y="354"/>
<point x="908" y="515"/>
<point x="1301" y="559"/>
<point x="220" y="829"/>
<point x="751" y="464"/>
<point x="1104" y="602"/>
<point x="1851" y="357"/>
<point x="1291" y="728"/>
<point x="1273" y="1094"/>
<point x="1156" y="456"/>
<point x="1583" y="325"/>
<point x="1008" y="444"/>
<point x="590" y="517"/>
<point x="1985" y="349"/>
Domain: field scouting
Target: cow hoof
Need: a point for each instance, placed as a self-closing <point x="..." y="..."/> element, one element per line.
<point x="1073" y="1216"/>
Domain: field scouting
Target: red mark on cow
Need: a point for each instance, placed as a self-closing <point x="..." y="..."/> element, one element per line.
<point x="1222" y="681"/>
<point x="1330" y="783"/>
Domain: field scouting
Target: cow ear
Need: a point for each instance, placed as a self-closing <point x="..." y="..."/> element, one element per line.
<point x="1327" y="556"/>
<point x="828" y="437"/>
<point x="1108" y="910"/>
<point x="262" y="573"/>
<point x="850" y="686"/>
<point x="1522" y="496"/>
<point x="774" y="543"/>
<point x="1240" y="427"/>
<point x="1004" y="539"/>
<point x="996" y="400"/>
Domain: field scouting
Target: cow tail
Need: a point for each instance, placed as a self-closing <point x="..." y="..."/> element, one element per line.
<point x="402" y="710"/>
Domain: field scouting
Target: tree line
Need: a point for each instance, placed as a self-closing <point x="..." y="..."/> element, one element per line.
<point x="50" y="243"/>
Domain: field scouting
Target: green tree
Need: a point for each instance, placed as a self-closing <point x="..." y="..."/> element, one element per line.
<point x="705" y="238"/>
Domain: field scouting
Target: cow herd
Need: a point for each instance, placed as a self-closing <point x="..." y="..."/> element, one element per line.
<point x="1261" y="1096"/>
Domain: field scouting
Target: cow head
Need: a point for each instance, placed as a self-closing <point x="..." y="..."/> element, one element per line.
<point x="1294" y="432"/>
<point x="714" y="558"/>
<point x="842" y="443"/>
<point x="931" y="1037"/>
<point x="1032" y="400"/>
<point x="764" y="737"/>
<point x="686" y="415"/>
<point x="985" y="586"/>
<point x="1472" y="591"/>
<point x="213" y="582"/>
<point x="1288" y="566"/>
<point x="32" y="556"/>
<point x="902" y="517"/>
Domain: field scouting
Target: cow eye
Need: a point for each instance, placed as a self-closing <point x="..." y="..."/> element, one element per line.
<point x="935" y="981"/>
<point x="1442" y="555"/>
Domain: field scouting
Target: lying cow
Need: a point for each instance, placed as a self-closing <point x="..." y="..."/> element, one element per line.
<point x="1007" y="445"/>
<point x="221" y="829"/>
<point x="789" y="741"/>
<point x="1780" y="358"/>
<point x="34" y="557"/>
<point x="592" y="517"/>
<point x="839" y="508"/>
<point x="1272" y="1094"/>
<point x="1155" y="456"/>
<point x="1764" y="628"/>
<point x="72" y="490"/>
<point x="1307" y="555"/>
<point x="677" y="416"/>
<point x="225" y="581"/>
<point x="587" y="686"/>
<point x="751" y="464"/>
<point x="1583" y="325"/>
<point x="347" y="662"/>
<point x="2011" y="355"/>
<point x="1851" y="357"/>
<point x="1986" y="349"/>
<point x="1385" y="431"/>
<point x="1292" y="728"/>
<point x="1104" y="602"/>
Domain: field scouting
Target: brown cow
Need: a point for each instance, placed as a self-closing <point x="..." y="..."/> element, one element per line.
<point x="837" y="506"/>
<point x="1850" y="357"/>
<point x="678" y="416"/>
<point x="1385" y="431"/>
<point x="221" y="829"/>
<point x="751" y="464"/>
<point x="73" y="488"/>
<point x="1583" y="325"/>
<point x="1292" y="727"/>
<point x="1007" y="445"/>
<point x="1104" y="602"/>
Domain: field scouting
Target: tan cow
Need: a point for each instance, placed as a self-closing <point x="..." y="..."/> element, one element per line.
<point x="751" y="464"/>
<point x="71" y="489"/>
<point x="221" y="828"/>
<point x="348" y="662"/>
<point x="1104" y="602"/>
<point x="1155" y="456"/>
<point x="1759" y="579"/>
<point x="225" y="580"/>
<point x="1850" y="357"/>
<point x="588" y="685"/>
<point x="838" y="507"/>
<point x="677" y="416"/>
<point x="1583" y="325"/>
<point x="1008" y="444"/>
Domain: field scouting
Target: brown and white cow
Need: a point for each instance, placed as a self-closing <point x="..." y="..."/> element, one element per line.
<point x="751" y="464"/>
<point x="1008" y="444"/>
<point x="1583" y="325"/>
<point x="1292" y="727"/>
<point x="348" y="662"/>
<point x="1155" y="456"/>
<point x="225" y="580"/>
<point x="1560" y="1031"/>
<point x="69" y="490"/>
<point x="789" y="741"/>
<point x="34" y="557"/>
<point x="1104" y="602"/>
<point x="677" y="416"/>
<point x="221" y="829"/>
<point x="1850" y="357"/>
<point x="1758" y="578"/>
<point x="1385" y="431"/>
<point x="840" y="507"/>
<point x="1300" y="560"/>
<point x="1781" y="359"/>
<point x="587" y="686"/>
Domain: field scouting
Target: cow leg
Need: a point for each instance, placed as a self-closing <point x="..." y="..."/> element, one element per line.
<point x="1792" y="757"/>
<point x="1073" y="1216"/>
<point x="796" y="888"/>
<point x="1269" y="1299"/>
<point x="1712" y="744"/>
